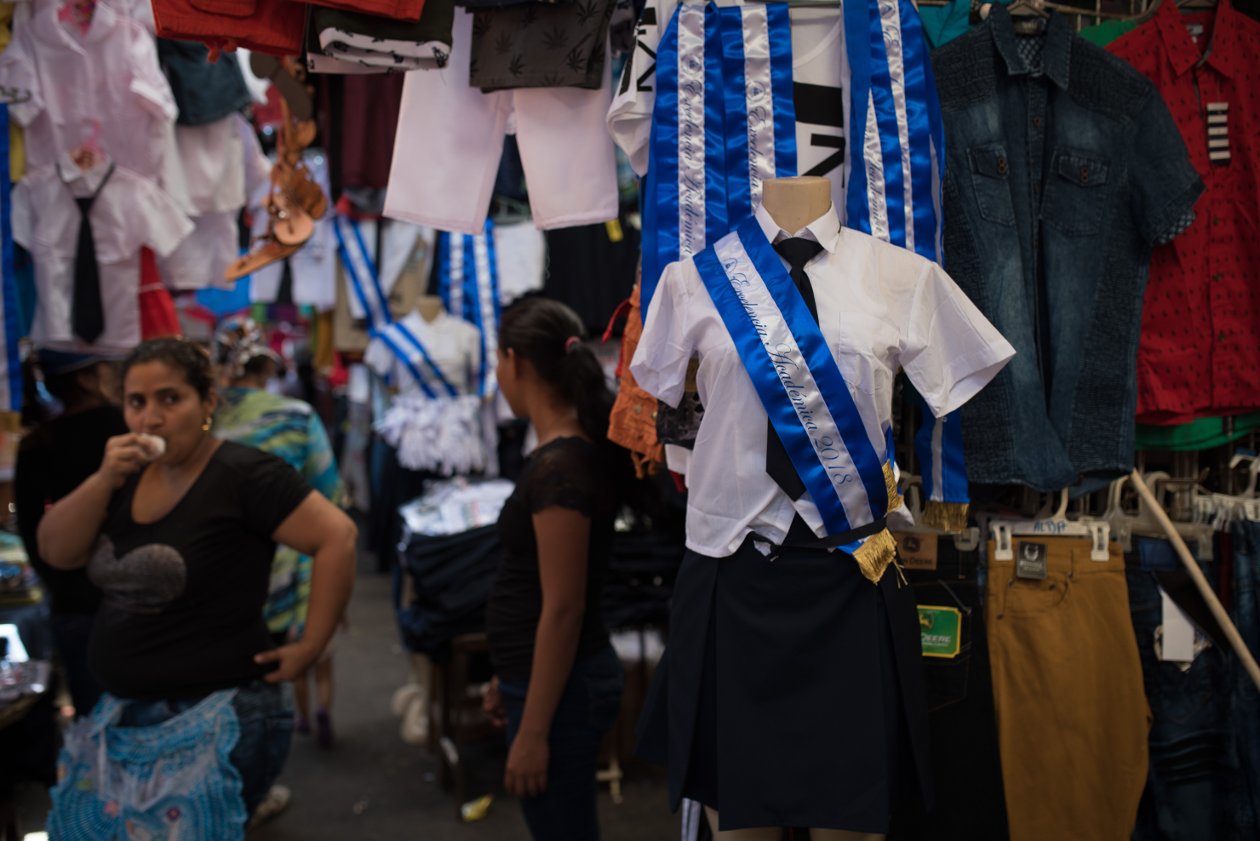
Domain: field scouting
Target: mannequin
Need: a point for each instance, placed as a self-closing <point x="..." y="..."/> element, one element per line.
<point x="430" y="307"/>
<point x="795" y="202"/>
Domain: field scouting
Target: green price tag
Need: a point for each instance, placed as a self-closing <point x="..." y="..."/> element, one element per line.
<point x="941" y="630"/>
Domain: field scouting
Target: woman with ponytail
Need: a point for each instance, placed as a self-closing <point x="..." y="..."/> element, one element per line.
<point x="558" y="683"/>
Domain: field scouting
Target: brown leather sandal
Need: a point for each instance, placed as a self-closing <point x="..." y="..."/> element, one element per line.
<point x="272" y="251"/>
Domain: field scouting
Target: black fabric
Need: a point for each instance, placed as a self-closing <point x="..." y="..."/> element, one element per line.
<point x="51" y="462"/>
<point x="88" y="312"/>
<point x="797" y="251"/>
<point x="541" y="45"/>
<point x="590" y="271"/>
<point x="786" y="677"/>
<point x="966" y="768"/>
<point x="182" y="610"/>
<point x="564" y="473"/>
<point x="434" y="25"/>
<point x="205" y="91"/>
<point x="451" y="577"/>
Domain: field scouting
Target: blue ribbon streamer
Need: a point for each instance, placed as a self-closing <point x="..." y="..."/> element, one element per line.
<point x="822" y="365"/>
<point x="444" y="268"/>
<point x="12" y="330"/>
<point x="889" y="136"/>
<point x="857" y="43"/>
<point x="716" y="222"/>
<point x="783" y="89"/>
<point x="734" y="94"/>
<point x="660" y="196"/>
<point x="356" y="282"/>
<point x="919" y="99"/>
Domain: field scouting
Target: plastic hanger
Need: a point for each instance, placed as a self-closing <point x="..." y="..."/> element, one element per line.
<point x="1029" y="16"/>
<point x="1051" y="524"/>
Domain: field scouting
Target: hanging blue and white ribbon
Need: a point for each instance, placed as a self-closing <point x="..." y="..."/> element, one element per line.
<point x="848" y="476"/>
<point x="367" y="297"/>
<point x="468" y="283"/>
<point x="898" y="151"/>
<point x="11" y="379"/>
<point x="757" y="72"/>
<point x="723" y="122"/>
<point x="482" y="287"/>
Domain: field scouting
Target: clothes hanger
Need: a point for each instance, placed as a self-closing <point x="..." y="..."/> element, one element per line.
<point x="1051" y="524"/>
<point x="1029" y="16"/>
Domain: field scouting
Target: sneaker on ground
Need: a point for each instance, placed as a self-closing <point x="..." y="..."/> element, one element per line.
<point x="276" y="801"/>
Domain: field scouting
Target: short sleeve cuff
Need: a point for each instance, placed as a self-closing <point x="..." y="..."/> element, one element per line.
<point x="1171" y="219"/>
<point x="664" y="385"/>
<point x="971" y="374"/>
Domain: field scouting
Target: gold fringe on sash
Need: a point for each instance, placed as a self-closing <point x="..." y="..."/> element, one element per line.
<point x="875" y="555"/>
<point x="880" y="549"/>
<point x="945" y="516"/>
<point x="890" y="482"/>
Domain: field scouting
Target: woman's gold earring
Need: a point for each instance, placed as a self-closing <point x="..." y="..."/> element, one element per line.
<point x="205" y="427"/>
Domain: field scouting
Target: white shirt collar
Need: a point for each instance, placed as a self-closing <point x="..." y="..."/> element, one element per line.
<point x="53" y="30"/>
<point x="87" y="181"/>
<point x="825" y="230"/>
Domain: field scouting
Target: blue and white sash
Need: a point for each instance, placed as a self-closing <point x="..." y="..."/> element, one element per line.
<point x="11" y="375"/>
<point x="897" y="149"/>
<point x="723" y="122"/>
<point x="416" y="360"/>
<point x="848" y="475"/>
<point x="468" y="283"/>
<point x="367" y="297"/>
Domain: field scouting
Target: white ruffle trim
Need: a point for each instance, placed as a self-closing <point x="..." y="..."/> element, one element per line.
<point x="441" y="435"/>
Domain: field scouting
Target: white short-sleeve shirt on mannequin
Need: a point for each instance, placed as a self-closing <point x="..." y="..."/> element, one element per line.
<point x="881" y="309"/>
<point x="453" y="344"/>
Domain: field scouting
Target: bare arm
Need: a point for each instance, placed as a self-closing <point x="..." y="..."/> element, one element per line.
<point x="69" y="529"/>
<point x="322" y="530"/>
<point x="563" y="536"/>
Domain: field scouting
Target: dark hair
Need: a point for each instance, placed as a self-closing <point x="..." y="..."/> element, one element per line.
<point x="179" y="354"/>
<point x="65" y="388"/>
<point x="549" y="335"/>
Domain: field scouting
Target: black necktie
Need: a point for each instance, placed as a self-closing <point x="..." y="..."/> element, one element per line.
<point x="797" y="251"/>
<point x="88" y="311"/>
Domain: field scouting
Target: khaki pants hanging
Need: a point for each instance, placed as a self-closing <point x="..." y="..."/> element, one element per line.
<point x="1067" y="684"/>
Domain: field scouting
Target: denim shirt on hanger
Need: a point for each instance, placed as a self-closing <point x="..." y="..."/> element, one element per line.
<point x="1063" y="169"/>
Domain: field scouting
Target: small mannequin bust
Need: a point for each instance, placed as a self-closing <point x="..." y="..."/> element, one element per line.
<point x="430" y="307"/>
<point x="795" y="202"/>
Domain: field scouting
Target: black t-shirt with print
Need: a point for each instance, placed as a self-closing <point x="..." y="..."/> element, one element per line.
<point x="183" y="597"/>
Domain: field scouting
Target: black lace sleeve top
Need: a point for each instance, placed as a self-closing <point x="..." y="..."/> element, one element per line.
<point x="563" y="473"/>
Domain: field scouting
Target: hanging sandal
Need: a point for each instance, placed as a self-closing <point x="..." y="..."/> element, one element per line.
<point x="289" y="77"/>
<point x="272" y="251"/>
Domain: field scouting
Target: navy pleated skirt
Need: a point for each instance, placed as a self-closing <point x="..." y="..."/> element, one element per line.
<point x="791" y="692"/>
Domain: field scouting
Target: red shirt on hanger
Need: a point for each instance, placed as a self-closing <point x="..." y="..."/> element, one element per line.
<point x="1199" y="352"/>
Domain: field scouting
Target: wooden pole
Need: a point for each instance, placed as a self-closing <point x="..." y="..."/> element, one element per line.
<point x="1205" y="589"/>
